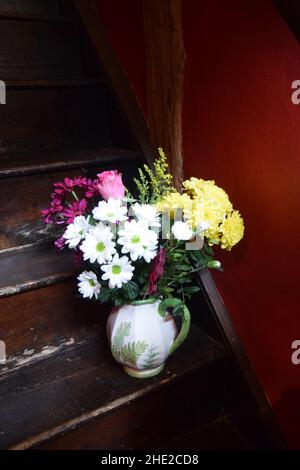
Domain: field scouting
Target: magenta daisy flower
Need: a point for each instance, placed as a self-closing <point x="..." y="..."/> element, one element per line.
<point x="75" y="209"/>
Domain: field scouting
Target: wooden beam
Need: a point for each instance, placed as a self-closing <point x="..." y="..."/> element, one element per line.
<point x="165" y="59"/>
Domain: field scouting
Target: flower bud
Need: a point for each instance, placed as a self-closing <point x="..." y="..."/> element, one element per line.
<point x="214" y="264"/>
<point x="181" y="231"/>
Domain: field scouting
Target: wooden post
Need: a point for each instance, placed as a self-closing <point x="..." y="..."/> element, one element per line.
<point x="165" y="59"/>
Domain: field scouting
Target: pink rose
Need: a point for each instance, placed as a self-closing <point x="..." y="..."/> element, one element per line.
<point x="111" y="185"/>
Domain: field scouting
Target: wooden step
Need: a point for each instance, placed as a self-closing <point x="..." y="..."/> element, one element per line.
<point x="20" y="215"/>
<point x="46" y="162"/>
<point x="49" y="118"/>
<point x="78" y="397"/>
<point x="37" y="322"/>
<point x="33" y="266"/>
<point x="36" y="84"/>
<point x="19" y="16"/>
<point x="34" y="8"/>
<point x="47" y="10"/>
<point x="39" y="50"/>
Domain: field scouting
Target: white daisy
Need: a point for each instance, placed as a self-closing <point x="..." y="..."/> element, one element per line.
<point x="118" y="272"/>
<point x="88" y="284"/>
<point x="147" y="213"/>
<point x="138" y="240"/>
<point x="98" y="244"/>
<point x="110" y="211"/>
<point x="76" y="231"/>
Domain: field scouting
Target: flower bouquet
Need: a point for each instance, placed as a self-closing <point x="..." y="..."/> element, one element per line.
<point x="143" y="252"/>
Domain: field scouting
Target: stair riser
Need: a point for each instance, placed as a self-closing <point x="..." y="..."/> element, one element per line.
<point x="38" y="50"/>
<point x="242" y="410"/>
<point x="45" y="119"/>
<point x="52" y="318"/>
<point x="152" y="420"/>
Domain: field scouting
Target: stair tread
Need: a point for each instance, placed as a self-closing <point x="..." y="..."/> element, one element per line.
<point x="48" y="10"/>
<point x="21" y="84"/>
<point x="70" y="388"/>
<point x="38" y="18"/>
<point x="63" y="159"/>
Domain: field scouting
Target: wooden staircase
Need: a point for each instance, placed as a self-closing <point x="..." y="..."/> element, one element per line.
<point x="68" y="113"/>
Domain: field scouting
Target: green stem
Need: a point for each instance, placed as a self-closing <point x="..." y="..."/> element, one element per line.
<point x="183" y="274"/>
<point x="75" y="195"/>
<point x="182" y="293"/>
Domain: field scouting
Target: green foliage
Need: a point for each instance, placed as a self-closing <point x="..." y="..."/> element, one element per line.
<point x="143" y="186"/>
<point x="131" y="290"/>
<point x="204" y="258"/>
<point x="154" y="183"/>
<point x="128" y="196"/>
<point x="180" y="279"/>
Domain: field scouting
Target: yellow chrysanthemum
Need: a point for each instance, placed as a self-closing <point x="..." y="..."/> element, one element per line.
<point x="208" y="192"/>
<point x="204" y="203"/>
<point x="211" y="204"/>
<point x="232" y="230"/>
<point x="195" y="185"/>
<point x="197" y="213"/>
<point x="174" y="201"/>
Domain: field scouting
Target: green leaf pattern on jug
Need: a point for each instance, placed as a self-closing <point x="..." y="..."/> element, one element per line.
<point x="123" y="330"/>
<point x="127" y="353"/>
<point x="151" y="359"/>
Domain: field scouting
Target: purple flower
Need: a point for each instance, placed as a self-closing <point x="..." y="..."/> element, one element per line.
<point x="63" y="187"/>
<point x="47" y="214"/>
<point x="54" y="210"/>
<point x="60" y="211"/>
<point x="68" y="184"/>
<point x="75" y="209"/>
<point x="60" y="243"/>
<point x="91" y="188"/>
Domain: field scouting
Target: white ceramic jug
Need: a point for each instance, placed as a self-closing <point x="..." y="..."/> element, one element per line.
<point x="143" y="334"/>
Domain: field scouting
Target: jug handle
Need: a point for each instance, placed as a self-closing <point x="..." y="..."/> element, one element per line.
<point x="186" y="321"/>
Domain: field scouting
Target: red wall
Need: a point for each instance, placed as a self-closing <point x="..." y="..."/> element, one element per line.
<point x="241" y="129"/>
